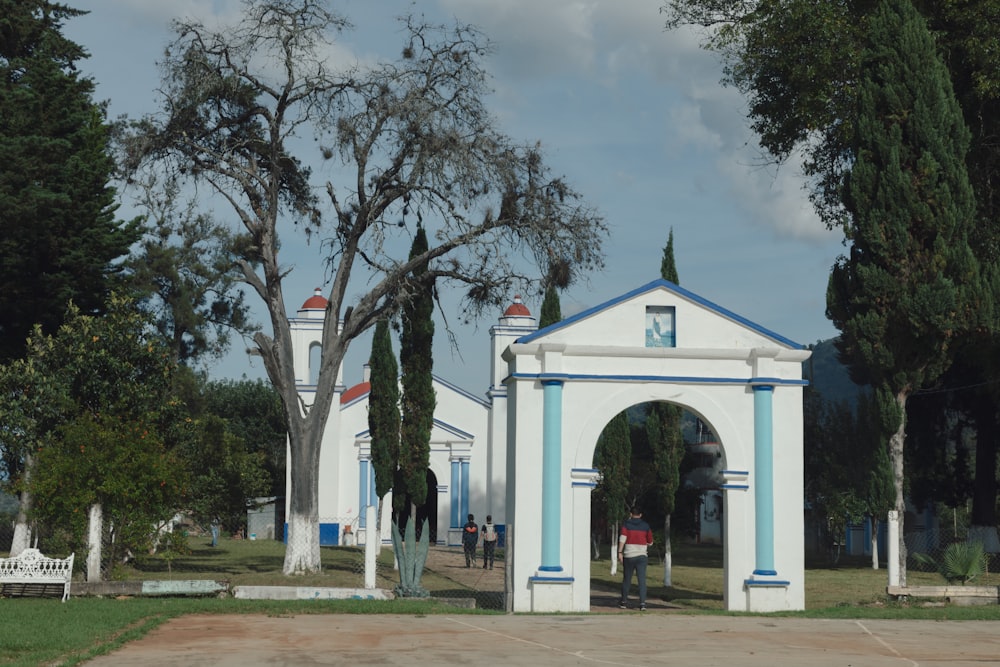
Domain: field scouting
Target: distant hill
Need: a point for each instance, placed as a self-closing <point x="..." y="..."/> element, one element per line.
<point x="828" y="376"/>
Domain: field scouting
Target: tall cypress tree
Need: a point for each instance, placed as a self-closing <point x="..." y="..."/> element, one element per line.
<point x="59" y="239"/>
<point x="911" y="284"/>
<point x="383" y="411"/>
<point x="663" y="430"/>
<point x="551" y="310"/>
<point x="418" y="400"/>
<point x="613" y="458"/>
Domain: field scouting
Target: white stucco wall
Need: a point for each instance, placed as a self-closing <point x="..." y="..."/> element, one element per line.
<point x="605" y="368"/>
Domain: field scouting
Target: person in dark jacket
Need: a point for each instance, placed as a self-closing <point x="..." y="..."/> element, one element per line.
<point x="470" y="538"/>
<point x="633" y="551"/>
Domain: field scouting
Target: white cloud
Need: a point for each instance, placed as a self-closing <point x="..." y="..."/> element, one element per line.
<point x="632" y="114"/>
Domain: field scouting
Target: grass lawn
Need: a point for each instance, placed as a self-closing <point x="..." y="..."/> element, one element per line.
<point x="46" y="631"/>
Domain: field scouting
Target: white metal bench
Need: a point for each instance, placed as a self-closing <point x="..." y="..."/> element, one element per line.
<point x="30" y="567"/>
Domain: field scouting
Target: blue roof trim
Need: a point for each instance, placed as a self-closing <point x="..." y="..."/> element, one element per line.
<point x="584" y="377"/>
<point x="676" y="289"/>
<point x="455" y="388"/>
<point x="454" y="430"/>
<point x="437" y="422"/>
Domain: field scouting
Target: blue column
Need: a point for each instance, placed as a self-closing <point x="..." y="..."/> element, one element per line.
<point x="456" y="508"/>
<point x="465" y="490"/>
<point x="763" y="458"/>
<point x="363" y="476"/>
<point x="372" y="490"/>
<point x="551" y="468"/>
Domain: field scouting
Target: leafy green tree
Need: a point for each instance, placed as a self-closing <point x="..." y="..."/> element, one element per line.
<point x="254" y="416"/>
<point x="33" y="403"/>
<point x="185" y="270"/>
<point x="798" y="63"/>
<point x="112" y="440"/>
<point x="881" y="494"/>
<point x="419" y="144"/>
<point x="911" y="283"/>
<point x="60" y="240"/>
<point x="383" y="412"/>
<point x="663" y="431"/>
<point x="839" y="443"/>
<point x="118" y="464"/>
<point x="225" y="477"/>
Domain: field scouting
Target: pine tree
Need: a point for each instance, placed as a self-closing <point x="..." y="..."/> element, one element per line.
<point x="415" y="356"/>
<point x="911" y="284"/>
<point x="551" y="311"/>
<point x="383" y="411"/>
<point x="60" y="240"/>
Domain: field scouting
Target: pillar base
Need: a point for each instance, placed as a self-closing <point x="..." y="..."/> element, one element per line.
<point x="551" y="594"/>
<point x="767" y="593"/>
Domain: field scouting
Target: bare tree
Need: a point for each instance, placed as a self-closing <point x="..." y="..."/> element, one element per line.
<point x="417" y="145"/>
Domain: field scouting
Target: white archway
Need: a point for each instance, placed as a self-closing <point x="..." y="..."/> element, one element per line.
<point x="567" y="381"/>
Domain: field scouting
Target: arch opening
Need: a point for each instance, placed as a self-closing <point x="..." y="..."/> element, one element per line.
<point x="693" y="519"/>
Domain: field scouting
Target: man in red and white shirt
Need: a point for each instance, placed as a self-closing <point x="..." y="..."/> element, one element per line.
<point x="633" y="548"/>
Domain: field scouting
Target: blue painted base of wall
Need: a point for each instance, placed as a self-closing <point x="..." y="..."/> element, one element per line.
<point x="329" y="534"/>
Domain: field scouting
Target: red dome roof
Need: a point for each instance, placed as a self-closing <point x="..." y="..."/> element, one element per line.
<point x="316" y="302"/>
<point x="517" y="309"/>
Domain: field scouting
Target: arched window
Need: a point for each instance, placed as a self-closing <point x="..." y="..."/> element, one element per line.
<point x="315" y="358"/>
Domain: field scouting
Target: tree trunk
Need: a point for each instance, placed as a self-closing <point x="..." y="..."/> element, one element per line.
<point x="378" y="522"/>
<point x="667" y="555"/>
<point x="896" y="442"/>
<point x="22" y="531"/>
<point x="94" y="531"/>
<point x="302" y="555"/>
<point x="873" y="522"/>
<point x="614" y="549"/>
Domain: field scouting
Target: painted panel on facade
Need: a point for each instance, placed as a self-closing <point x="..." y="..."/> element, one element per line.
<point x="660" y="326"/>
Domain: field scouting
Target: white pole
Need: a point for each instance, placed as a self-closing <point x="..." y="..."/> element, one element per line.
<point x="372" y="543"/>
<point x="95" y="529"/>
<point x="892" y="544"/>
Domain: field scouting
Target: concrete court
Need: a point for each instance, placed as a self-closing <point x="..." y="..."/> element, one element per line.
<point x="631" y="638"/>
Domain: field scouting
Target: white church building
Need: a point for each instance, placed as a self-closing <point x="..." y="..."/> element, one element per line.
<point x="524" y="450"/>
<point x="468" y="442"/>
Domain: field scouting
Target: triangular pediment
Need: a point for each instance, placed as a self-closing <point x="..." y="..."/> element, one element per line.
<point x="660" y="314"/>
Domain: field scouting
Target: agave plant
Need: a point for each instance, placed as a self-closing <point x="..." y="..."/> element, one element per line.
<point x="411" y="556"/>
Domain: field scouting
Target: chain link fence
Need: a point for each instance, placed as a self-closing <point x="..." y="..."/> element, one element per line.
<point x="943" y="541"/>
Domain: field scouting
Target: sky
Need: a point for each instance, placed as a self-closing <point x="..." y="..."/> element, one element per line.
<point x="633" y="116"/>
